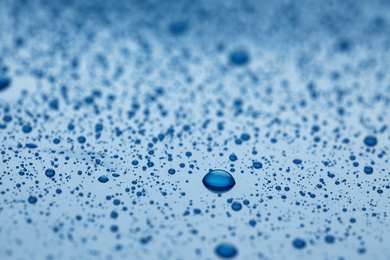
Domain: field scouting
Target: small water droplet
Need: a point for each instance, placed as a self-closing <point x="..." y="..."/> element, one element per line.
<point x="233" y="157"/>
<point x="239" y="57"/>
<point x="178" y="28"/>
<point x="370" y="141"/>
<point x="32" y="199"/>
<point x="236" y="206"/>
<point x="297" y="161"/>
<point x="368" y="170"/>
<point x="31" y="145"/>
<point x="225" y="250"/>
<point x="257" y="165"/>
<point x="329" y="239"/>
<point x="81" y="139"/>
<point x="299" y="243"/>
<point x="50" y="173"/>
<point x="27" y="129"/>
<point x="103" y="179"/>
<point x="4" y="83"/>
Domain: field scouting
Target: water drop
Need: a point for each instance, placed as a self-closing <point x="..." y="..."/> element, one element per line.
<point x="245" y="137"/>
<point x="257" y="165"/>
<point x="236" y="206"/>
<point x="368" y="170"/>
<point x="299" y="243"/>
<point x="225" y="250"/>
<point x="81" y="139"/>
<point x="31" y="145"/>
<point x="178" y="28"/>
<point x="32" y="199"/>
<point x="50" y="173"/>
<point x="297" y="161"/>
<point x="233" y="157"/>
<point x="329" y="239"/>
<point x="218" y="181"/>
<point x="103" y="179"/>
<point x="27" y="129"/>
<point x="370" y="141"/>
<point x="239" y="57"/>
<point x="4" y="83"/>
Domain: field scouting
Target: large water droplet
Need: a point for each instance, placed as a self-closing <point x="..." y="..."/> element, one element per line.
<point x="50" y="173"/>
<point x="225" y="250"/>
<point x="219" y="181"/>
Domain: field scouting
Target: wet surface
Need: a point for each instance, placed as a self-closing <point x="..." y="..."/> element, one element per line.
<point x="194" y="130"/>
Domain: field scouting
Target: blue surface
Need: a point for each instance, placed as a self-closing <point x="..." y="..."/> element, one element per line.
<point x="113" y="112"/>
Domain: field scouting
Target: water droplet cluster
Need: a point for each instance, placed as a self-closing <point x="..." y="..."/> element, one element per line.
<point x="194" y="130"/>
